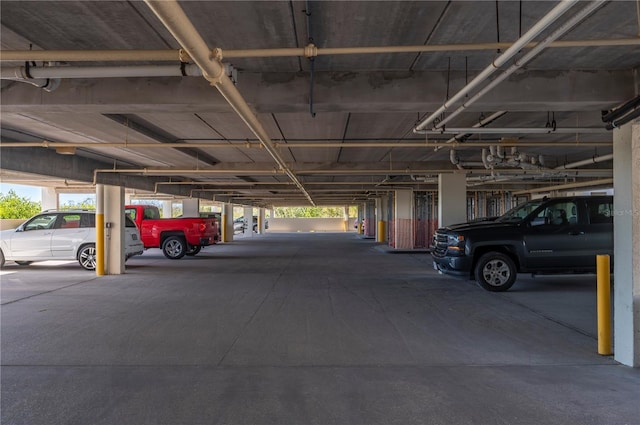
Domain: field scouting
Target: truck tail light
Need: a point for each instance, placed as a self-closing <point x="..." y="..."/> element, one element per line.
<point x="203" y="227"/>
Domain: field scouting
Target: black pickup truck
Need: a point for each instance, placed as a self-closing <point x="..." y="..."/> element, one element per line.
<point x="549" y="235"/>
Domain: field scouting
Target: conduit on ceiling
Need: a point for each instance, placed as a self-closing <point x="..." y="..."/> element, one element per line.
<point x="176" y="21"/>
<point x="313" y="145"/>
<point x="20" y="72"/>
<point x="537" y="29"/>
<point x="308" y="51"/>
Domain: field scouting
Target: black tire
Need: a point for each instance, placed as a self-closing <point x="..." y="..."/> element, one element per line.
<point x="23" y="263"/>
<point x="174" y="247"/>
<point x="1" y="259"/>
<point x="87" y="257"/>
<point x="495" y="272"/>
<point x="193" y="250"/>
<point x="255" y="228"/>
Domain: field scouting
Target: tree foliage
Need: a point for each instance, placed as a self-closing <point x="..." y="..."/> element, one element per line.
<point x="14" y="206"/>
<point x="308" y="212"/>
<point x="87" y="204"/>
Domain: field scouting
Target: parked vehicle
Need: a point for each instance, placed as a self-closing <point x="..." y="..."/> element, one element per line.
<point x="61" y="235"/>
<point x="176" y="237"/>
<point x="239" y="224"/>
<point x="556" y="235"/>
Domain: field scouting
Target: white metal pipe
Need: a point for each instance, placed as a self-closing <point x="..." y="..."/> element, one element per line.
<point x="593" y="183"/>
<point x="516" y="130"/>
<point x="177" y="22"/>
<point x="19" y="73"/>
<point x="540" y="26"/>
<point x="589" y="161"/>
<point x="174" y="55"/>
<point x="314" y="145"/>
<point x="481" y="123"/>
<point x="573" y="21"/>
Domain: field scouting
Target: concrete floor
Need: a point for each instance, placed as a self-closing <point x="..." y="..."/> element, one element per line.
<point x="302" y="329"/>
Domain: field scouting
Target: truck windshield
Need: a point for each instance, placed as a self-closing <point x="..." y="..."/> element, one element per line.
<point x="520" y="212"/>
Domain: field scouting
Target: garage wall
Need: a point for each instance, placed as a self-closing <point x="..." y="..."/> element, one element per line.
<point x="10" y="223"/>
<point x="310" y="225"/>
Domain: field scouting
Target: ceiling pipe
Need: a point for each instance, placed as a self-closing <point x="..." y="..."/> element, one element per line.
<point x="308" y="51"/>
<point x="462" y="136"/>
<point x="540" y="26"/>
<point x="593" y="183"/>
<point x="620" y="111"/>
<point x="573" y="21"/>
<point x="176" y="21"/>
<point x="170" y="171"/>
<point x="515" y="130"/>
<point x="20" y="73"/>
<point x="594" y="160"/>
<point x="623" y="120"/>
<point x="254" y="145"/>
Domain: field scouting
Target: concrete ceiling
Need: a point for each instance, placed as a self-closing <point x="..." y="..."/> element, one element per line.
<point x="359" y="142"/>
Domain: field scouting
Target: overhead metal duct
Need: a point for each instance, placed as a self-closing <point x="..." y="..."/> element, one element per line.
<point x="177" y="22"/>
<point x="538" y="28"/>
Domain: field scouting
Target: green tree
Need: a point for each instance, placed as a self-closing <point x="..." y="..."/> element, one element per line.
<point x="308" y="212"/>
<point x="87" y="204"/>
<point x="14" y="206"/>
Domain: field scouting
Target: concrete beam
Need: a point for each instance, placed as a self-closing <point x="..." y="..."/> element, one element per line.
<point x="334" y="92"/>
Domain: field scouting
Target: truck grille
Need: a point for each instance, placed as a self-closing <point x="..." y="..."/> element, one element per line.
<point x="439" y="247"/>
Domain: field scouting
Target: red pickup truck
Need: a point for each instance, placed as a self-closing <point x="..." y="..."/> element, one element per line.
<point x="176" y="237"/>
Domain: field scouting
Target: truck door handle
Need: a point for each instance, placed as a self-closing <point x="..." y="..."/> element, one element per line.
<point x="576" y="233"/>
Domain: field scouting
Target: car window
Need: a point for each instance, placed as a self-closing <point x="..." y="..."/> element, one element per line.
<point x="43" y="221"/>
<point x="128" y="222"/>
<point x="68" y="221"/>
<point x="87" y="220"/>
<point x="556" y="214"/>
<point x="131" y="212"/>
<point x="600" y="211"/>
<point x="520" y="212"/>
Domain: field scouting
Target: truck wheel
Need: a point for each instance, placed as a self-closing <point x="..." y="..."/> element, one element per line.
<point x="87" y="257"/>
<point x="193" y="250"/>
<point x="174" y="247"/>
<point x="495" y="272"/>
<point x="1" y="259"/>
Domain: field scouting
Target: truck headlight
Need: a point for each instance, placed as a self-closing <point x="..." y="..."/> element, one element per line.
<point x="455" y="243"/>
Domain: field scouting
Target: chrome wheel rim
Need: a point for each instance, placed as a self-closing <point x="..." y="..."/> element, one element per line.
<point x="88" y="258"/>
<point x="496" y="272"/>
<point x="173" y="248"/>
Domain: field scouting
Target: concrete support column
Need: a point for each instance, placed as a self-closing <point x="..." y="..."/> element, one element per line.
<point x="167" y="209"/>
<point x="114" y="229"/>
<point x="191" y="207"/>
<point x="452" y="199"/>
<point x="370" y="219"/>
<point x="49" y="198"/>
<point x="248" y="220"/>
<point x="261" y="227"/>
<point x="360" y="218"/>
<point x="226" y="226"/>
<point x="403" y="222"/>
<point x="626" y="224"/>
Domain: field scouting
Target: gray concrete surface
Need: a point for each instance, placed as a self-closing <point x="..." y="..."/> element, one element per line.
<point x="302" y="329"/>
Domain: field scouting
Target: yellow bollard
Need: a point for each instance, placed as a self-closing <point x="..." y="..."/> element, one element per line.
<point x="360" y="228"/>
<point x="223" y="230"/>
<point x="604" y="305"/>
<point x="382" y="231"/>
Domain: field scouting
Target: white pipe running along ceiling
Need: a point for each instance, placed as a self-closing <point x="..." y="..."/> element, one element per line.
<point x="176" y="21"/>
<point x="538" y="28"/>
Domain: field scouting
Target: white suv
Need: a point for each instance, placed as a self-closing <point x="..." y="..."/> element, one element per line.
<point x="61" y="235"/>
